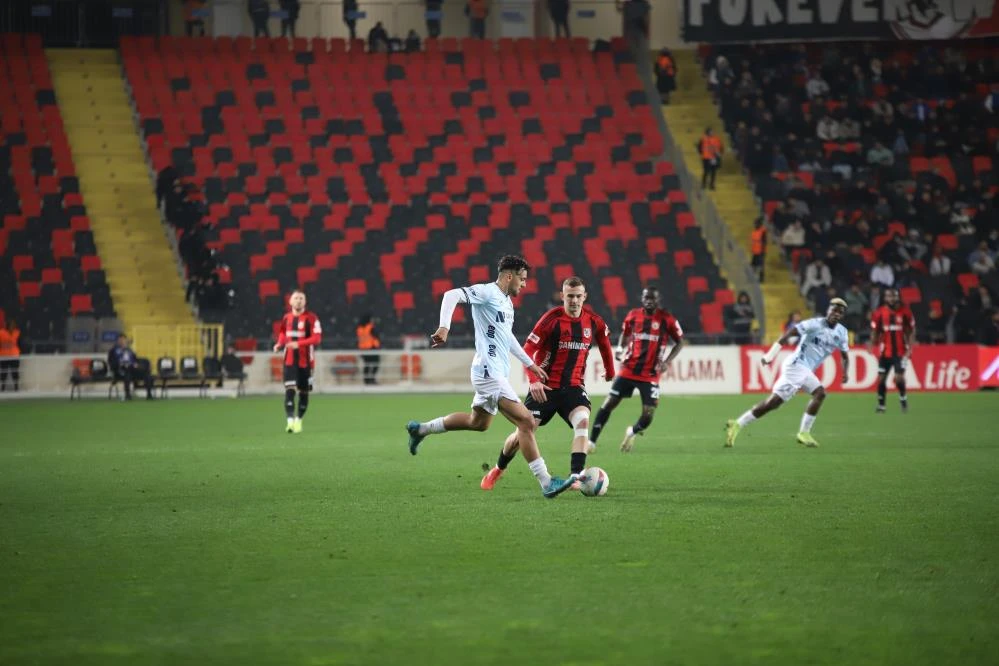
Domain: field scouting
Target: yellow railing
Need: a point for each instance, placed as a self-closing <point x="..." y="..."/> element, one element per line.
<point x="197" y="340"/>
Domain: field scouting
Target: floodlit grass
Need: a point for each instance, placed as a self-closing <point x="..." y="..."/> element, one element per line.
<point x="198" y="532"/>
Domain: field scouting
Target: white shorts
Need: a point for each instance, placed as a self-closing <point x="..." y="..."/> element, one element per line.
<point x="793" y="378"/>
<point x="489" y="390"/>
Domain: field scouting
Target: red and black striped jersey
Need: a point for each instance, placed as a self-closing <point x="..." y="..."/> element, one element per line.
<point x="560" y="344"/>
<point x="647" y="336"/>
<point x="892" y="326"/>
<point x="307" y="332"/>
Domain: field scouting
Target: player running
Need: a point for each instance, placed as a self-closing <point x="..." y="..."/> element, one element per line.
<point x="820" y="337"/>
<point x="894" y="330"/>
<point x="492" y="316"/>
<point x="642" y="350"/>
<point x="563" y="337"/>
<point x="300" y="334"/>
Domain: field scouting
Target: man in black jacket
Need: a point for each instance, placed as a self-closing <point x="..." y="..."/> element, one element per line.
<point x="350" y="17"/>
<point x="291" y="9"/>
<point x="559" y="11"/>
<point x="260" y="11"/>
<point x="125" y="367"/>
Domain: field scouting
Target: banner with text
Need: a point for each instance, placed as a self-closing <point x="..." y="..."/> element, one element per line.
<point x="698" y="370"/>
<point x="931" y="368"/>
<point x="720" y="21"/>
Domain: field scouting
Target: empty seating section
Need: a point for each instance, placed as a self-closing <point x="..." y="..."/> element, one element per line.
<point x="49" y="266"/>
<point x="928" y="113"/>
<point x="376" y="181"/>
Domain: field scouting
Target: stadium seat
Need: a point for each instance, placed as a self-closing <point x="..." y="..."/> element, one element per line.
<point x="910" y="295"/>
<point x="968" y="281"/>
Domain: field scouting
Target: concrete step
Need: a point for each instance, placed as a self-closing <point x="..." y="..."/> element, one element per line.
<point x="85" y="114"/>
<point x="119" y="145"/>
<point x="89" y="57"/>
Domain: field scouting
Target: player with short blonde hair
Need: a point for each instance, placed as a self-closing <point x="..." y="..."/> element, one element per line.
<point x="299" y="336"/>
<point x="560" y="342"/>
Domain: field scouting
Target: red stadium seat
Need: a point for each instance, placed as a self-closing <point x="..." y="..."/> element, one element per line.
<point x="479" y="274"/>
<point x="22" y="262"/>
<point x="307" y="275"/>
<point x="724" y="297"/>
<point x="947" y="242"/>
<point x="90" y="263"/>
<point x="683" y="259"/>
<point x="80" y="303"/>
<point x="648" y="273"/>
<point x="712" y="321"/>
<point x="614" y="293"/>
<point x="356" y="288"/>
<point x="968" y="281"/>
<point x="696" y="285"/>
<point x="910" y="295"/>
<point x="29" y="290"/>
<point x="402" y="301"/>
<point x="268" y="289"/>
<point x="656" y="246"/>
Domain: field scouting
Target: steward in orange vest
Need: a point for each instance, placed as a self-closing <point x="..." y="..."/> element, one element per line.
<point x="10" y="356"/>
<point x="665" y="74"/>
<point x="710" y="147"/>
<point x="758" y="238"/>
<point x="367" y="340"/>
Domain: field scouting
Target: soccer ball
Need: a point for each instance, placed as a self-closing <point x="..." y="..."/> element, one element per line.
<point x="594" y="482"/>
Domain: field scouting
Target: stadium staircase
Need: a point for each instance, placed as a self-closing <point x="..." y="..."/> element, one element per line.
<point x="114" y="179"/>
<point x="690" y="111"/>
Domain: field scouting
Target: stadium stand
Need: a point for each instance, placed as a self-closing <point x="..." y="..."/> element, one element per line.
<point x="49" y="267"/>
<point x="884" y="151"/>
<point x="376" y="181"/>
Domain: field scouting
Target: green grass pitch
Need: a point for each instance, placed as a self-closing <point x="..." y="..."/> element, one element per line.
<point x="197" y="532"/>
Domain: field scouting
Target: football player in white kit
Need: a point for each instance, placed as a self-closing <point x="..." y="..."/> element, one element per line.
<point x="820" y="337"/>
<point x="492" y="315"/>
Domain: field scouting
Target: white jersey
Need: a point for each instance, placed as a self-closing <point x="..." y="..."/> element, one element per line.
<point x="818" y="341"/>
<point x="492" y="315"/>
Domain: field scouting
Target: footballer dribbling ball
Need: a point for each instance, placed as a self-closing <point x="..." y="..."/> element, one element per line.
<point x="594" y="482"/>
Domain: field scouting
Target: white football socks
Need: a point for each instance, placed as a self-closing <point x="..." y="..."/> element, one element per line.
<point x="806" y="422"/>
<point x="746" y="418"/>
<point x="540" y="471"/>
<point x="434" y="427"/>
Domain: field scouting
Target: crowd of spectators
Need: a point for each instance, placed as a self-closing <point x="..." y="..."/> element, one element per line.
<point x="877" y="166"/>
<point x="183" y="207"/>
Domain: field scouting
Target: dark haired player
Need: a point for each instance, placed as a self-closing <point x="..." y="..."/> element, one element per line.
<point x="642" y="350"/>
<point x="819" y="337"/>
<point x="492" y="316"/>
<point x="299" y="335"/>
<point x="560" y="343"/>
<point x="894" y="329"/>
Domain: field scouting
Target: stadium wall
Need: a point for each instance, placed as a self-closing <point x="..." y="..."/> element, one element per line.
<point x="699" y="370"/>
<point x="593" y="19"/>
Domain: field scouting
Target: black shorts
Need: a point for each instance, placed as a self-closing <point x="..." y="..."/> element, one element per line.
<point x="300" y="378"/>
<point x="625" y="388"/>
<point x="561" y="401"/>
<point x="886" y="363"/>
